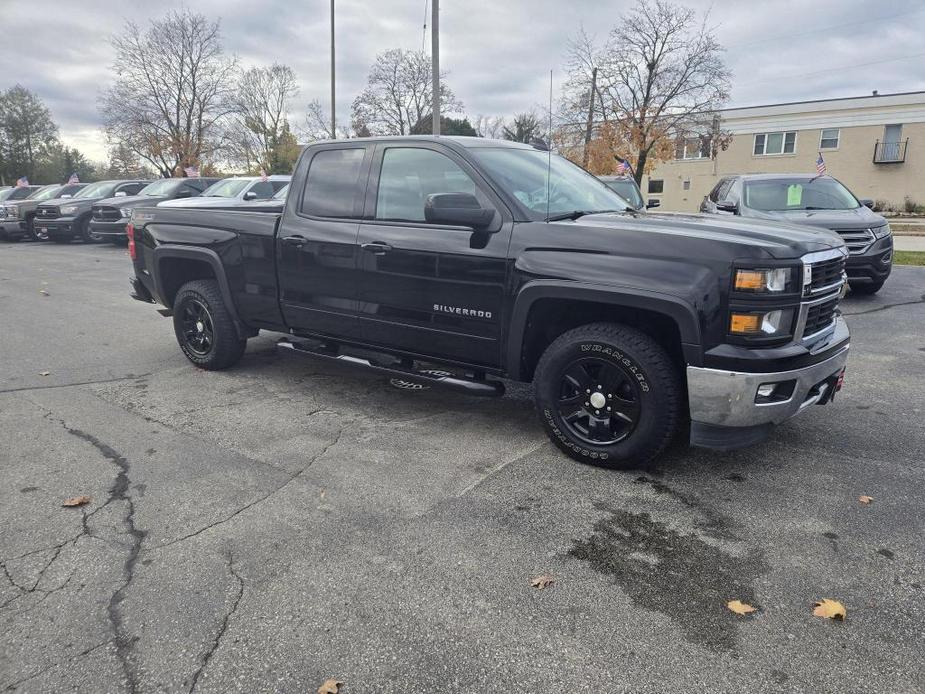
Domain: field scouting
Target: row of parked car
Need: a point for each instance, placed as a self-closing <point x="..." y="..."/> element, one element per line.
<point x="95" y="212"/>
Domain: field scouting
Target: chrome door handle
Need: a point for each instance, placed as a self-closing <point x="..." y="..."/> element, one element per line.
<point x="297" y="241"/>
<point x="376" y="248"/>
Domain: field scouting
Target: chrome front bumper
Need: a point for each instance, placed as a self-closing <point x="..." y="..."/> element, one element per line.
<point x="727" y="398"/>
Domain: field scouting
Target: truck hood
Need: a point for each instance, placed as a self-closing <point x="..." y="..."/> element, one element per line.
<point x="741" y="236"/>
<point x="858" y="218"/>
<point x="81" y="203"/>
<point x="131" y="201"/>
<point x="201" y="202"/>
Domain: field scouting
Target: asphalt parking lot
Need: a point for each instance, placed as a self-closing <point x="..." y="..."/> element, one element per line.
<point x="287" y="521"/>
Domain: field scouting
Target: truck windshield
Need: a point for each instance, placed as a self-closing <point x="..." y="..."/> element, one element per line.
<point x="103" y="189"/>
<point x="798" y="193"/>
<point x="46" y="193"/>
<point x="162" y="187"/>
<point x="229" y="188"/>
<point x="522" y="173"/>
<point x="627" y="189"/>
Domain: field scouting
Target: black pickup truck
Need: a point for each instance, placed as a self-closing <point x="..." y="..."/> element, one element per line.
<point x="494" y="259"/>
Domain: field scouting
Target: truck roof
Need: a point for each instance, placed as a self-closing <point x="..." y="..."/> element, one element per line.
<point x="460" y="140"/>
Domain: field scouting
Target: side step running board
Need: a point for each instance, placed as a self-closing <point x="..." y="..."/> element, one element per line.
<point x="469" y="386"/>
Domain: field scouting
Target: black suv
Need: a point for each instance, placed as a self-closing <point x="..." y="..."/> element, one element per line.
<point x="109" y="217"/>
<point x="63" y="219"/>
<point x="817" y="201"/>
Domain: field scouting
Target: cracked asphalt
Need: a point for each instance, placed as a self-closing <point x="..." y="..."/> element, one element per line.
<point x="265" y="528"/>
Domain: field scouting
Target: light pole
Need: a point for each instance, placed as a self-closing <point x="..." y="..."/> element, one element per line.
<point x="333" y="107"/>
<point x="435" y="57"/>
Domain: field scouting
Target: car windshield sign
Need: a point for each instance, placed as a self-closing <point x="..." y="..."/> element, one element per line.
<point x="523" y="173"/>
<point x="793" y="194"/>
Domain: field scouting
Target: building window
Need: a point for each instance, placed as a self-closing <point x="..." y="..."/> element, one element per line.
<point x="656" y="186"/>
<point x="694" y="148"/>
<point x="829" y="139"/>
<point x="775" y="143"/>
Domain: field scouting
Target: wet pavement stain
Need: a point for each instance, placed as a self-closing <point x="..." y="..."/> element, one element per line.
<point x="677" y="574"/>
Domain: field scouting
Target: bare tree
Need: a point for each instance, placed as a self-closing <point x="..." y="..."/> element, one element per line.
<point x="173" y="88"/>
<point x="490" y="127"/>
<point x="317" y="124"/>
<point x="660" y="75"/>
<point x="261" y="107"/>
<point x="398" y="94"/>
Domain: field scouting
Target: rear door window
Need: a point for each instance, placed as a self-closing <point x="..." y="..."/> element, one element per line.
<point x="333" y="187"/>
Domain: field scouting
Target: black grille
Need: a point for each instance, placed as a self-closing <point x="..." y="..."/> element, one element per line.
<point x="820" y="316"/>
<point x="47" y="212"/>
<point x="857" y="240"/>
<point x="106" y="214"/>
<point x="827" y="272"/>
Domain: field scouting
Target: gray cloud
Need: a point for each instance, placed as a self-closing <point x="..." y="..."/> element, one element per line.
<point x="498" y="54"/>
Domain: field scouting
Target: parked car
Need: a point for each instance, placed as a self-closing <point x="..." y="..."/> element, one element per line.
<point x="23" y="211"/>
<point x="63" y="219"/>
<point x="627" y="188"/>
<point x="109" y="217"/>
<point x="815" y="201"/>
<point x="274" y="204"/>
<point x="7" y="223"/>
<point x="234" y="191"/>
<point x="628" y="325"/>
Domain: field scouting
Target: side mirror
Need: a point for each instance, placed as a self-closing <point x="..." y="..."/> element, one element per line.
<point x="653" y="203"/>
<point x="457" y="209"/>
<point x="120" y="194"/>
<point x="250" y="195"/>
<point x="867" y="202"/>
<point x="727" y="206"/>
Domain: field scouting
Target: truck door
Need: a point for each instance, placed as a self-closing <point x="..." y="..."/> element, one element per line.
<point x="316" y="245"/>
<point x="427" y="288"/>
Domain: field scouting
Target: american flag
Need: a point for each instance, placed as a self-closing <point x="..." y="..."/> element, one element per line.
<point x="22" y="182"/>
<point x="820" y="165"/>
<point x="73" y="180"/>
<point x="623" y="167"/>
<point x="192" y="171"/>
<point x="263" y="176"/>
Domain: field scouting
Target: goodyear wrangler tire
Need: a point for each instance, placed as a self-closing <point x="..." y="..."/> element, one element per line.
<point x="608" y="395"/>
<point x="204" y="328"/>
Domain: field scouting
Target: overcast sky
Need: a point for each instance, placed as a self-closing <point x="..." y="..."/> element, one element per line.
<point x="498" y="53"/>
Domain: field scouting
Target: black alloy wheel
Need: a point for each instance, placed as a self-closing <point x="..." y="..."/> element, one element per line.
<point x="599" y="401"/>
<point x="198" y="329"/>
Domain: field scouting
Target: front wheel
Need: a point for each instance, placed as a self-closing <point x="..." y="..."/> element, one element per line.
<point x="85" y="233"/>
<point x="865" y="289"/>
<point x="204" y="328"/>
<point x="609" y="395"/>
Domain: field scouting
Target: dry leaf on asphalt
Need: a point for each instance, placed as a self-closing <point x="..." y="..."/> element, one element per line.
<point x="44" y="373"/>
<point x="77" y="501"/>
<point x="830" y="609"/>
<point x="865" y="499"/>
<point x="541" y="582"/>
<point x="42" y="291"/>
<point x="329" y="686"/>
<point x="740" y="607"/>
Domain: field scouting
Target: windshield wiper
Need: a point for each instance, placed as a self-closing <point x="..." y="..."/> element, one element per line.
<point x="575" y="214"/>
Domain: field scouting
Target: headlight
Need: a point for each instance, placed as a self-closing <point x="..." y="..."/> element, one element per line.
<point x="11" y="211"/>
<point x="126" y="212"/>
<point x="761" y="323"/>
<point x="763" y="281"/>
<point x="881" y="232"/>
<point x="69" y="209"/>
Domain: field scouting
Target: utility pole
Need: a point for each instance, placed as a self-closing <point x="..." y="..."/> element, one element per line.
<point x="333" y="107"/>
<point x="435" y="57"/>
<point x="589" y="126"/>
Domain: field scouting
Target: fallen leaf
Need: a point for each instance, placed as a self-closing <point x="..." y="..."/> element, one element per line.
<point x="865" y="499"/>
<point x="830" y="609"/>
<point x="44" y="373"/>
<point x="329" y="686"/>
<point x="42" y="291"/>
<point x="541" y="582"/>
<point x="740" y="607"/>
<point x="77" y="501"/>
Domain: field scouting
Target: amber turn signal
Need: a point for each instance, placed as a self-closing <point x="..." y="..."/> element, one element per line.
<point x="750" y="280"/>
<point x="744" y="323"/>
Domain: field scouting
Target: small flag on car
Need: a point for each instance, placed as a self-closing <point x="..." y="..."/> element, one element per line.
<point x="192" y="171"/>
<point x="22" y="182"/>
<point x="263" y="176"/>
<point x="623" y="168"/>
<point x="73" y="180"/>
<point x="820" y="165"/>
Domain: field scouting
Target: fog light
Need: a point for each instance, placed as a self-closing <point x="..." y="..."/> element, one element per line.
<point x="766" y="390"/>
<point x="775" y="392"/>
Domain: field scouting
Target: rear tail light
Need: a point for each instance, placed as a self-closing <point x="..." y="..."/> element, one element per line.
<point x="130" y="232"/>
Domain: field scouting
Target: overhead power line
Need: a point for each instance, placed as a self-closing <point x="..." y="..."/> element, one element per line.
<point x="778" y="78"/>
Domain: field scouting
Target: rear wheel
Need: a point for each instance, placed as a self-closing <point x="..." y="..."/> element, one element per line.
<point x="204" y="328"/>
<point x="608" y="395"/>
<point x="867" y="288"/>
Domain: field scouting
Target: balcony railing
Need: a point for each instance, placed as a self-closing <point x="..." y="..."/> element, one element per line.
<point x="890" y="152"/>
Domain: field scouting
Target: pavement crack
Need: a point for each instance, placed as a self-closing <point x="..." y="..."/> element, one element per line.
<point x="885" y="307"/>
<point x="101" y="381"/>
<point x="256" y="501"/>
<point x="87" y="651"/>
<point x="216" y="642"/>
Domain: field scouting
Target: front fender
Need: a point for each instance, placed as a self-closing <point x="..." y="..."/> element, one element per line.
<point x="681" y="312"/>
